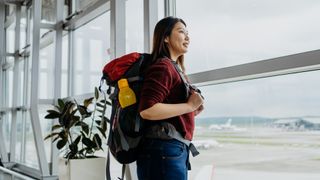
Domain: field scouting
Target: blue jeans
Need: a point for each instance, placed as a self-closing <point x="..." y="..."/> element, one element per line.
<point x="162" y="160"/>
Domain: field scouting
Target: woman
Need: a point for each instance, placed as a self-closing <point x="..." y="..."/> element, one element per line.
<point x="163" y="99"/>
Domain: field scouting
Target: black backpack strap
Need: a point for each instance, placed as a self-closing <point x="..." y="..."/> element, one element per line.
<point x="123" y="172"/>
<point x="186" y="83"/>
<point x="108" y="176"/>
<point x="183" y="78"/>
<point x="176" y="135"/>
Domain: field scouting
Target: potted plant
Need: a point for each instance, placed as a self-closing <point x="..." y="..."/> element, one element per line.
<point x="80" y="131"/>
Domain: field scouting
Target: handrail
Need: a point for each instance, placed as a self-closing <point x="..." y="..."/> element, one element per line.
<point x="15" y="174"/>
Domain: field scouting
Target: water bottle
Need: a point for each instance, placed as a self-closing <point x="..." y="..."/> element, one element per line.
<point x="126" y="94"/>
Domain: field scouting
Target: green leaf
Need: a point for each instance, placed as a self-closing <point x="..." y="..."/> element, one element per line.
<point x="57" y="107"/>
<point x="77" y="140"/>
<point x="52" y="114"/>
<point x="106" y="102"/>
<point x="104" y="118"/>
<point x="98" y="122"/>
<point x="83" y="134"/>
<point x="83" y="111"/>
<point x="99" y="110"/>
<point x="88" y="142"/>
<point x="90" y="151"/>
<point x="78" y="123"/>
<point x="63" y="135"/>
<point x="102" y="132"/>
<point x="104" y="126"/>
<point x="97" y="140"/>
<point x="61" y="103"/>
<point x="85" y="127"/>
<point x="96" y="93"/>
<point x="87" y="102"/>
<point x="61" y="143"/>
<point x="101" y="105"/>
<point x="51" y="135"/>
<point x="57" y="126"/>
<point x="73" y="148"/>
<point x="56" y="138"/>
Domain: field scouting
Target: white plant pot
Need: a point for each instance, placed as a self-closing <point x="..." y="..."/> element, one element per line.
<point x="82" y="169"/>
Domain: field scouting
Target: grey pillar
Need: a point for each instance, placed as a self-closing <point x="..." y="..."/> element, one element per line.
<point x="38" y="138"/>
<point x="3" y="150"/>
<point x="118" y="28"/>
<point x="169" y="8"/>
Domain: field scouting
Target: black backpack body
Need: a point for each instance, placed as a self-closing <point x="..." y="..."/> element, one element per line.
<point x="126" y="125"/>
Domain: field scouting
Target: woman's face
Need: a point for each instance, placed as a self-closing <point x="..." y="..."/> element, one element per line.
<point x="178" y="41"/>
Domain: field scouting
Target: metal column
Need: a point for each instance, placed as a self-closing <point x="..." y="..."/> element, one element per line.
<point x="38" y="138"/>
<point x="169" y="8"/>
<point x="150" y="20"/>
<point x="57" y="75"/>
<point x="118" y="28"/>
<point x="3" y="150"/>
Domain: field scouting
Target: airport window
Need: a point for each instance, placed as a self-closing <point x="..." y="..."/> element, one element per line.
<point x="264" y="127"/>
<point x="10" y="38"/>
<point x="46" y="78"/>
<point x="31" y="158"/>
<point x="23" y="26"/>
<point x="134" y="26"/>
<point x="48" y="11"/>
<point x="91" y="52"/>
<point x="226" y="33"/>
<point x="82" y="4"/>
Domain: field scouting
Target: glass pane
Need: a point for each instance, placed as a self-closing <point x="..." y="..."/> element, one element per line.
<point x="6" y="129"/>
<point x="82" y="4"/>
<point x="46" y="78"/>
<point x="8" y="75"/>
<point x="11" y="9"/>
<point x="31" y="158"/>
<point x="225" y="33"/>
<point x="266" y="128"/>
<point x="23" y="27"/>
<point x="21" y="82"/>
<point x="48" y="11"/>
<point x="160" y="9"/>
<point x="67" y="5"/>
<point x="91" y="52"/>
<point x="134" y="26"/>
<point x="19" y="136"/>
<point x="46" y="125"/>
<point x="10" y="38"/>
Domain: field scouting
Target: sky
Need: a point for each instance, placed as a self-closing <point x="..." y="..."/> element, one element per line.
<point x="225" y="33"/>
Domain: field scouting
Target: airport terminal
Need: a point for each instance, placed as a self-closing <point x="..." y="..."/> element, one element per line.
<point x="257" y="64"/>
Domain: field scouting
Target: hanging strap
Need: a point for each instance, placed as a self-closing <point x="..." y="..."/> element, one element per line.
<point x="176" y="135"/>
<point x="123" y="172"/>
<point x="108" y="176"/>
<point x="184" y="80"/>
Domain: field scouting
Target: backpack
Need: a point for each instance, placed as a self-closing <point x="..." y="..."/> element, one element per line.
<point x="126" y="128"/>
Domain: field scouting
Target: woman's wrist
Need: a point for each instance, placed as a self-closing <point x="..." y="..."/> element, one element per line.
<point x="189" y="107"/>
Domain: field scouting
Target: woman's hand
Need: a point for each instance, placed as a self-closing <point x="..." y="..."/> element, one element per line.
<point x="195" y="101"/>
<point x="199" y="110"/>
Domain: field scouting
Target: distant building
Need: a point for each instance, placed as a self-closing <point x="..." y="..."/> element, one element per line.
<point x="303" y="123"/>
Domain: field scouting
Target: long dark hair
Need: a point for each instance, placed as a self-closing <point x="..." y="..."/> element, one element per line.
<point x="162" y="30"/>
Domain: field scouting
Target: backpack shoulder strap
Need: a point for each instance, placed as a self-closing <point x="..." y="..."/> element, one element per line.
<point x="182" y="76"/>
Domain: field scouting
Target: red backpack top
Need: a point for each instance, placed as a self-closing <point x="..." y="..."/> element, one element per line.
<point x="116" y="68"/>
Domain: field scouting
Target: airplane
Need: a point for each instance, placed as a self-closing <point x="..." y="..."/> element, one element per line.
<point x="225" y="127"/>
